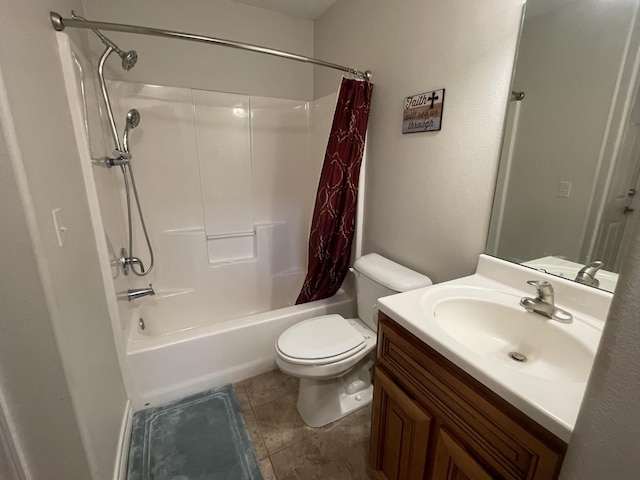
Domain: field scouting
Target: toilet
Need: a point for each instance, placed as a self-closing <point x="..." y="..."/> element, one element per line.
<point x="334" y="356"/>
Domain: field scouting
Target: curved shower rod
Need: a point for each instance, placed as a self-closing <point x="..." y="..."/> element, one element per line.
<point x="59" y="24"/>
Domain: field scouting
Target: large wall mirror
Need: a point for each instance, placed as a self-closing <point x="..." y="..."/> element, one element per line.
<point x="566" y="197"/>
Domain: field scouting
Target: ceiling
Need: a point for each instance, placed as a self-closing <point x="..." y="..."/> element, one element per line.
<point x="309" y="9"/>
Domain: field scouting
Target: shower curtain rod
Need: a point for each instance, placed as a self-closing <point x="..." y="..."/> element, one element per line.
<point x="59" y="24"/>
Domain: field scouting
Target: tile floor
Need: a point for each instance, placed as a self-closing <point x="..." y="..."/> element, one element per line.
<point x="289" y="450"/>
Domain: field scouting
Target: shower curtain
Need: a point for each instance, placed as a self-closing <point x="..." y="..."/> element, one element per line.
<point x="333" y="222"/>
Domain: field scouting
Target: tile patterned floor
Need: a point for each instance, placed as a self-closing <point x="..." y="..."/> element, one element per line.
<point x="286" y="448"/>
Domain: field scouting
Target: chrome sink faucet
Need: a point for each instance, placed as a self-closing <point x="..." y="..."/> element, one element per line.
<point x="544" y="303"/>
<point x="587" y="274"/>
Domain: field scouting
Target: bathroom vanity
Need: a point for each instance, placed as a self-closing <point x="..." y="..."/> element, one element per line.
<point x="450" y="402"/>
<point x="433" y="420"/>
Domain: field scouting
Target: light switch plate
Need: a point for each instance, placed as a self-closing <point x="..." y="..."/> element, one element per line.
<point x="564" y="191"/>
<point x="61" y="230"/>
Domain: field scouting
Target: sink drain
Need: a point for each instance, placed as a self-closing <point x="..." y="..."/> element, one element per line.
<point x="517" y="356"/>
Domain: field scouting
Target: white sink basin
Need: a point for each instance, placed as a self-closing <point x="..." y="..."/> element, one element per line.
<point x="495" y="326"/>
<point x="476" y="321"/>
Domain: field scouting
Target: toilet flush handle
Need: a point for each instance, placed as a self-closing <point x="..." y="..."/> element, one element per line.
<point x="354" y="271"/>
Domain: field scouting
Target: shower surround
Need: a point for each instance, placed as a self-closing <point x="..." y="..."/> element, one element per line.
<point x="227" y="184"/>
<point x="227" y="188"/>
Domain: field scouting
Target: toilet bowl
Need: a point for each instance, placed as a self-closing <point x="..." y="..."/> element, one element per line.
<point x="334" y="356"/>
<point x="335" y="379"/>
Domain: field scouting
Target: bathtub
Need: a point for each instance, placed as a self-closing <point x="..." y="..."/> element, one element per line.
<point x="171" y="358"/>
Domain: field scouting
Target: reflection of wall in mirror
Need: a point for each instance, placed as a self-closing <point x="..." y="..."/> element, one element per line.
<point x="569" y="61"/>
<point x="504" y="172"/>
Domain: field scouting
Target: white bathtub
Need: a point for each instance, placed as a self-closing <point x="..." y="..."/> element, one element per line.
<point x="169" y="360"/>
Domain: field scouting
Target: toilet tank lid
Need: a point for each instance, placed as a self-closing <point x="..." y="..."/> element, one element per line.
<point x="390" y="274"/>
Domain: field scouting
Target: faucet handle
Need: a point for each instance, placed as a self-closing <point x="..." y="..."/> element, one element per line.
<point x="592" y="268"/>
<point x="544" y="290"/>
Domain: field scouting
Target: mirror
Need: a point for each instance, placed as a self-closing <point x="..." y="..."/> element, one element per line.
<point x="569" y="166"/>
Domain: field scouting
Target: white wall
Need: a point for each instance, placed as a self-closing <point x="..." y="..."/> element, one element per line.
<point x="68" y="293"/>
<point x="569" y="60"/>
<point x="605" y="439"/>
<point x="187" y="64"/>
<point x="33" y="389"/>
<point x="428" y="195"/>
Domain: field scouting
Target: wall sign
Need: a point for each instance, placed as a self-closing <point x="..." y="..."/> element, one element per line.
<point x="423" y="112"/>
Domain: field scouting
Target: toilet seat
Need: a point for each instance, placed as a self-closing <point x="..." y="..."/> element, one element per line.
<point x="320" y="341"/>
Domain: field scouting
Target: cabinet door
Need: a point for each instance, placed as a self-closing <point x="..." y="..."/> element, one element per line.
<point x="399" y="433"/>
<point x="453" y="462"/>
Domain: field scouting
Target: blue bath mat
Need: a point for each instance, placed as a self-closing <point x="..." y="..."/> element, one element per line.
<point x="201" y="437"/>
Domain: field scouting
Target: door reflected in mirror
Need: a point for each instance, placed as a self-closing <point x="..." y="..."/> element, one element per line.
<point x="565" y="197"/>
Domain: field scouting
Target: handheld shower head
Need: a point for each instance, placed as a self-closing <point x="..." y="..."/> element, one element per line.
<point x="132" y="121"/>
<point x="133" y="118"/>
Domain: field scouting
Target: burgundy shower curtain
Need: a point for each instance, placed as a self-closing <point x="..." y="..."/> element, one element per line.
<point x="333" y="222"/>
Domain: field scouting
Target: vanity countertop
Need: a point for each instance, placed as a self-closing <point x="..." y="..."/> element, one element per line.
<point x="546" y="397"/>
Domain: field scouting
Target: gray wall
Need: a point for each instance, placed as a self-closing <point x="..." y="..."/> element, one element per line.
<point x="428" y="195"/>
<point x="606" y="438"/>
<point x="569" y="61"/>
<point x="185" y="64"/>
<point x="33" y="387"/>
<point x="8" y="459"/>
<point x="53" y="295"/>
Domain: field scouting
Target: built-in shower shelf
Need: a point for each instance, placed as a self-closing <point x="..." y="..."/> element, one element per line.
<point x="267" y="244"/>
<point x="231" y="247"/>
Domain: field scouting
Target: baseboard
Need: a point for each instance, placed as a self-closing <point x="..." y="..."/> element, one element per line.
<point x="122" y="458"/>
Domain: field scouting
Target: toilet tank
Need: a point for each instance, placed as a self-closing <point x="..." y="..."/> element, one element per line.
<point x="377" y="277"/>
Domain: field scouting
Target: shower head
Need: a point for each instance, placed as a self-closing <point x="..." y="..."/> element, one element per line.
<point x="132" y="121"/>
<point x="129" y="58"/>
<point x="133" y="118"/>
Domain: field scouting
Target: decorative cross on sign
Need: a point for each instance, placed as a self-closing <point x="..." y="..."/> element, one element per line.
<point x="423" y="112"/>
<point x="433" y="98"/>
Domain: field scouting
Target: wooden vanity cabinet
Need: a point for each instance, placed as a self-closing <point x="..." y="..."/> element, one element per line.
<point x="433" y="421"/>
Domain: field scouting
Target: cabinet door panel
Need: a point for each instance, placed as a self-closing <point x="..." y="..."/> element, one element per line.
<point x="400" y="433"/>
<point x="453" y="462"/>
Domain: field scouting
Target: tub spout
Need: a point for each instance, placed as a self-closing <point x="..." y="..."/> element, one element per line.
<point x="134" y="293"/>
